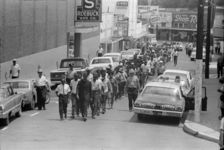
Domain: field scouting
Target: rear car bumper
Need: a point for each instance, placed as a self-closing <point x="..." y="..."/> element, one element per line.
<point x="156" y="112"/>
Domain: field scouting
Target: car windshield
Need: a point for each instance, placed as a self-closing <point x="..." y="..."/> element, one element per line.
<point x="162" y="91"/>
<point x="127" y="53"/>
<point x="114" y="57"/>
<point x="182" y="75"/>
<point x="19" y="85"/>
<point x="74" y="63"/>
<point x="101" y="61"/>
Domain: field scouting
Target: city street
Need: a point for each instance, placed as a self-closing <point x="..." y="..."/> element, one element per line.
<point x="117" y="129"/>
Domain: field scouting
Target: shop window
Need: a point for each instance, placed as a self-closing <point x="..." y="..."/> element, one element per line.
<point x="163" y="24"/>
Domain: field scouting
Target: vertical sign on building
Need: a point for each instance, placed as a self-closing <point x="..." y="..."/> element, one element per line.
<point x="88" y="11"/>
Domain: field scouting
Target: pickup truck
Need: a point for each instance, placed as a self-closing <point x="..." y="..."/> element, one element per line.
<point x="79" y="65"/>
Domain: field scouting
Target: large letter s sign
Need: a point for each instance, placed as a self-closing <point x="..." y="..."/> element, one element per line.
<point x="89" y="4"/>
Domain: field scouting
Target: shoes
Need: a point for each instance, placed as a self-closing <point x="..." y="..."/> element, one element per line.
<point x="93" y="117"/>
<point x="65" y="116"/>
<point x="61" y="119"/>
<point x="97" y="114"/>
<point x="72" y="117"/>
<point x="84" y="119"/>
<point x="220" y="117"/>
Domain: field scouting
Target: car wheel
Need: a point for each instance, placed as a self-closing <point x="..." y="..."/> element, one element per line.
<point x="7" y="120"/>
<point x="140" y="116"/>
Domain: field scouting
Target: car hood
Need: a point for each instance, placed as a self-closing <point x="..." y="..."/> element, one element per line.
<point x="158" y="100"/>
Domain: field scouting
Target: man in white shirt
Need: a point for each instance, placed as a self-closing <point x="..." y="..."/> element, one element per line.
<point x="41" y="87"/>
<point x="62" y="91"/>
<point x="100" y="52"/>
<point x="15" y="70"/>
<point x="74" y="98"/>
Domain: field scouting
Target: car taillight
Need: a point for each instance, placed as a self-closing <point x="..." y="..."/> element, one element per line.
<point x="179" y="108"/>
<point x="1" y="109"/>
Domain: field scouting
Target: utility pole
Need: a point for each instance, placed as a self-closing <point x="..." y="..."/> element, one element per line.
<point x="200" y="39"/>
<point x="208" y="40"/>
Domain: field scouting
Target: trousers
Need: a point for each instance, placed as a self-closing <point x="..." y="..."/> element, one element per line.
<point x="63" y="103"/>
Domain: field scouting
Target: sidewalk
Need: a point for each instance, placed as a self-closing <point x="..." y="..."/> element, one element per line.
<point x="208" y="127"/>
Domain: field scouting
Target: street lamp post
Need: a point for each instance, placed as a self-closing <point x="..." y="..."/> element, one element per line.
<point x="198" y="83"/>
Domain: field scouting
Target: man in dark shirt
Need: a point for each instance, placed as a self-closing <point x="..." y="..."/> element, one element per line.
<point x="220" y="65"/>
<point x="84" y="90"/>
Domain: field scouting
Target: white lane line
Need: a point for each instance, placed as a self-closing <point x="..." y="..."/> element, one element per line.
<point x="5" y="128"/>
<point x="34" y="114"/>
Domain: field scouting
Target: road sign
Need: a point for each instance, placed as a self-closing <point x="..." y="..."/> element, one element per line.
<point x="88" y="11"/>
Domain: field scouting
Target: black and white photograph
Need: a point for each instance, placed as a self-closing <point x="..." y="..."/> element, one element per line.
<point x="111" y="75"/>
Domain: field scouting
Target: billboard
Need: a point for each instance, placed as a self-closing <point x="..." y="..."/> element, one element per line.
<point x="120" y="26"/>
<point x="88" y="11"/>
<point x="188" y="20"/>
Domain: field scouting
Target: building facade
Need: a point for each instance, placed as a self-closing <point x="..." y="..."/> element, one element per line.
<point x="31" y="26"/>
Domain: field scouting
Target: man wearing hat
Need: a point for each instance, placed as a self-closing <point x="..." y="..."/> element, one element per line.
<point x="41" y="87"/>
<point x="132" y="87"/>
<point x="15" y="70"/>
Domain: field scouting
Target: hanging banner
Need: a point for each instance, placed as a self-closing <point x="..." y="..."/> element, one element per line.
<point x="88" y="11"/>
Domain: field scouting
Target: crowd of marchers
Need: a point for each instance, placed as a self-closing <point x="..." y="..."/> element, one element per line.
<point x="98" y="88"/>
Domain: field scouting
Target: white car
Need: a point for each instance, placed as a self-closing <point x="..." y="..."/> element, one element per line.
<point x="193" y="54"/>
<point x="102" y="62"/>
<point x="115" y="56"/>
<point x="128" y="55"/>
<point x="182" y="73"/>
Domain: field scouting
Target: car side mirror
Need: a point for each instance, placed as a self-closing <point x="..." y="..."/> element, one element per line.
<point x="57" y="64"/>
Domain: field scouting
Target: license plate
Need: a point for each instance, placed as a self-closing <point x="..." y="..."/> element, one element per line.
<point x="157" y="113"/>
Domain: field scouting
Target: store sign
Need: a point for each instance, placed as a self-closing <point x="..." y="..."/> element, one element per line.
<point x="88" y="11"/>
<point x="121" y="26"/>
<point x="185" y="18"/>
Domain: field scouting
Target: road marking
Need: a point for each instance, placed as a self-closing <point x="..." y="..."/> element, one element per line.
<point x="5" y="128"/>
<point x="34" y="114"/>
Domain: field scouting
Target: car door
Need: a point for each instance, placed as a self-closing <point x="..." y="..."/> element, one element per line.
<point x="190" y="100"/>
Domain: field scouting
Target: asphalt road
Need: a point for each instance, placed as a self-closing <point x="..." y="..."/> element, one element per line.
<point x="118" y="129"/>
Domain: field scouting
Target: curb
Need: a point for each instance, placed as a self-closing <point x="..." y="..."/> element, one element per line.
<point x="188" y="128"/>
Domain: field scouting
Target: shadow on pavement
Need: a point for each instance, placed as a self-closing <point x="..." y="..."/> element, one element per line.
<point x="160" y="120"/>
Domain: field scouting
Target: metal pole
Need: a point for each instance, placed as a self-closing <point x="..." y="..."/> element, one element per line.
<point x="208" y="40"/>
<point x="198" y="83"/>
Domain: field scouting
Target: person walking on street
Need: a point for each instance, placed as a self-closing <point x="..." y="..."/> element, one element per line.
<point x="62" y="91"/>
<point x="95" y="100"/>
<point x="221" y="101"/>
<point x="106" y="89"/>
<point x="113" y="92"/>
<point x="132" y="87"/>
<point x="42" y="86"/>
<point x="100" y="52"/>
<point x="220" y="66"/>
<point x="74" y="97"/>
<point x="14" y="70"/>
<point x="175" y="57"/>
<point x="69" y="74"/>
<point x="84" y="91"/>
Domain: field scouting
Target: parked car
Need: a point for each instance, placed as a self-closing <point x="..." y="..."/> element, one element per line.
<point x="193" y="54"/>
<point x="182" y="73"/>
<point x="184" y="82"/>
<point x="10" y="103"/>
<point x="160" y="99"/>
<point x="79" y="65"/>
<point x="25" y="87"/>
<point x="115" y="56"/>
<point x="127" y="55"/>
<point x="102" y="62"/>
